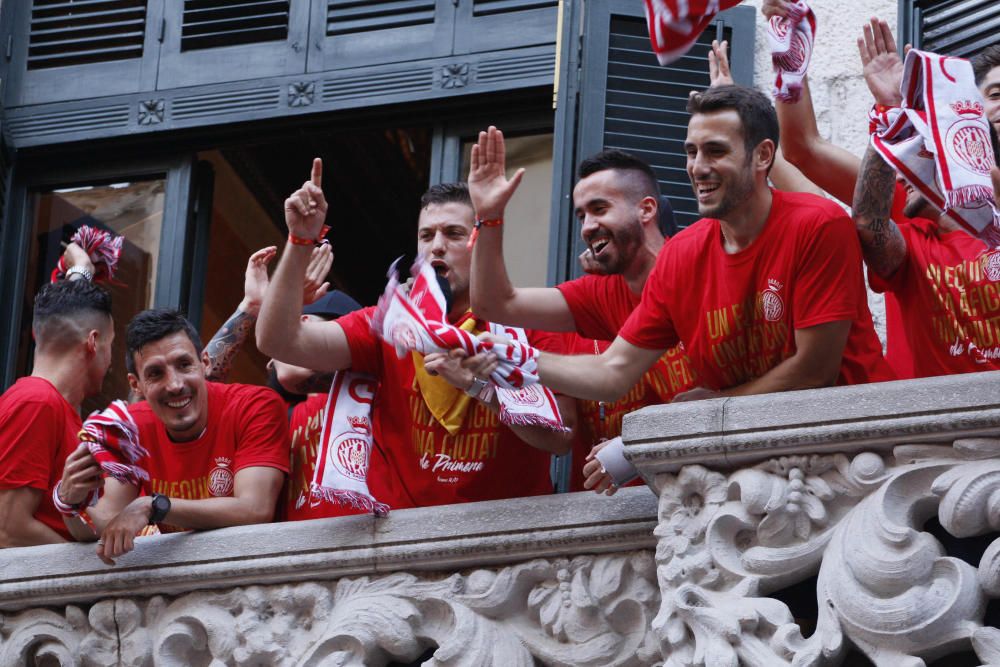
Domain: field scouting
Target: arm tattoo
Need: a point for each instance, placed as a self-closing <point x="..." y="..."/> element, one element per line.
<point x="883" y="244"/>
<point x="226" y="342"/>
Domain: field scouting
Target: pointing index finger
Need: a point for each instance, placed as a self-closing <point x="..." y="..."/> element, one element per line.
<point x="317" y="173"/>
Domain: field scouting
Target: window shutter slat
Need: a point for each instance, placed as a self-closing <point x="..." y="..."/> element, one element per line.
<point x="958" y="27"/>
<point x="355" y="16"/>
<point x="490" y="7"/>
<point x="218" y="23"/>
<point x="88" y="31"/>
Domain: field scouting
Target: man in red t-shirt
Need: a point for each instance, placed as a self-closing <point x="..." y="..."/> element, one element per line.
<point x="438" y="430"/>
<point x="780" y="301"/>
<point x="218" y="453"/>
<point x="40" y="414"/>
<point x="943" y="284"/>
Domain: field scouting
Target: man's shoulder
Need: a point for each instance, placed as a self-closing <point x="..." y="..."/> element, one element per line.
<point x="808" y="208"/>
<point x="237" y="393"/>
<point x="594" y="283"/>
<point x="32" y="390"/>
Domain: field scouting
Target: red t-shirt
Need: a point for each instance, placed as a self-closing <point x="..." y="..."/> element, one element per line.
<point x="247" y="426"/>
<point x="737" y="313"/>
<point x="427" y="465"/>
<point x="38" y="430"/>
<point x="942" y="304"/>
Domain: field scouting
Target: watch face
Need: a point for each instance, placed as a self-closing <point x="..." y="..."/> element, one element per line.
<point x="161" y="505"/>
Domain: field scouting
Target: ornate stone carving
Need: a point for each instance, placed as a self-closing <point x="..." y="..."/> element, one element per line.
<point x="585" y="611"/>
<point x="301" y="93"/>
<point x="455" y="75"/>
<point x="887" y="587"/>
<point x="151" y="111"/>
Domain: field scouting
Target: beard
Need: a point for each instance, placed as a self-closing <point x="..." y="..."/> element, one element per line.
<point x="737" y="192"/>
<point x="627" y="242"/>
<point x="915" y="207"/>
<point x="288" y="397"/>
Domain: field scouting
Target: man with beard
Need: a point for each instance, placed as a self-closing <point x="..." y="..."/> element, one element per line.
<point x="779" y="301"/>
<point x="942" y="284"/>
<point x="433" y="420"/>
<point x="217" y="453"/>
<point x="40" y="414"/>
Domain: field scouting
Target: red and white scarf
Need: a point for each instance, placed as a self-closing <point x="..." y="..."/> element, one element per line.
<point x="417" y="320"/>
<point x="113" y="439"/>
<point x="104" y="249"/>
<point x="674" y="25"/>
<point x="791" y="39"/>
<point x="341" y="472"/>
<point x="939" y="141"/>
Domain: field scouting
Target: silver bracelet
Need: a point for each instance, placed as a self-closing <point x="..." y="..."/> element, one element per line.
<point x="86" y="273"/>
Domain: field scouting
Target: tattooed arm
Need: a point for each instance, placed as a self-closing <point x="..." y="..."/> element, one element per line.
<point x="226" y="343"/>
<point x="883" y="244"/>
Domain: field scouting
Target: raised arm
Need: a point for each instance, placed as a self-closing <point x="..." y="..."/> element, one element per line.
<point x="881" y="241"/>
<point x="281" y="333"/>
<point x="494" y="297"/>
<point x="229" y="339"/>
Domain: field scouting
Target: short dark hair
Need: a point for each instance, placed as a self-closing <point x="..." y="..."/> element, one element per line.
<point x="757" y="114"/>
<point x="622" y="161"/>
<point x="984" y="61"/>
<point x="446" y="193"/>
<point x="155" y="324"/>
<point x="58" y="304"/>
<point x="994" y="142"/>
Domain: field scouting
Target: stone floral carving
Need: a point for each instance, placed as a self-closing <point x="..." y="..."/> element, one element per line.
<point x="589" y="611"/>
<point x="151" y="111"/>
<point x="455" y="75"/>
<point x="884" y="585"/>
<point x="301" y="93"/>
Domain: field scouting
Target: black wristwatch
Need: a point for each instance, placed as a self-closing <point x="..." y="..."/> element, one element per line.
<point x="160" y="507"/>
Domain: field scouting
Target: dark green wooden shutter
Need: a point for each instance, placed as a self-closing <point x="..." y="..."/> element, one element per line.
<point x="215" y="23"/>
<point x="629" y="101"/>
<point x="953" y="27"/>
<point x="64" y="33"/>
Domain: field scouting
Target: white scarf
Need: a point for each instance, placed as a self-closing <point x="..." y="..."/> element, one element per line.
<point x="345" y="445"/>
<point x="939" y="141"/>
<point x="791" y="39"/>
<point x="417" y="321"/>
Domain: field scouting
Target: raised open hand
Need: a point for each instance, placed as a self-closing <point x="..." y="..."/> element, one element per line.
<point x="488" y="185"/>
<point x="315" y="285"/>
<point x="256" y="280"/>
<point x="883" y="68"/>
<point x="305" y="209"/>
<point x="718" y="65"/>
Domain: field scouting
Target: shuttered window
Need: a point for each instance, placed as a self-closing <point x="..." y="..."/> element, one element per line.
<point x="955" y="27"/>
<point x="490" y="7"/>
<point x="213" y="23"/>
<point x="344" y="17"/>
<point x="645" y="106"/>
<point x="78" y="32"/>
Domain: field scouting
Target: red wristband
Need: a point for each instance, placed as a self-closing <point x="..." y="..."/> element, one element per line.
<point x="496" y="222"/>
<point x="298" y="240"/>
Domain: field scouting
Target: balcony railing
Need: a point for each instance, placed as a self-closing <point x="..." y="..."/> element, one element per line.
<point x="850" y="499"/>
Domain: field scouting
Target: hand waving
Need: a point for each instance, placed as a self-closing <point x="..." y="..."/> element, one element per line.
<point x="488" y="185"/>
<point x="256" y="281"/>
<point x="883" y="68"/>
<point x="305" y="210"/>
<point x="718" y="65"/>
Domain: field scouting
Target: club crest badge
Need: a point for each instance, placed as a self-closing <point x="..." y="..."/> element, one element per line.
<point x="771" y="304"/>
<point x="991" y="265"/>
<point x="220" y="480"/>
<point x="530" y="396"/>
<point x="968" y="138"/>
<point x="349" y="455"/>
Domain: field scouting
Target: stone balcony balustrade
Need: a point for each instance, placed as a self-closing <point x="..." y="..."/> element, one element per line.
<point x="851" y="499"/>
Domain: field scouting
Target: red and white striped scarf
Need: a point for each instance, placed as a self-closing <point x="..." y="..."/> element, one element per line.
<point x="104" y="249"/>
<point x="417" y="320"/>
<point x="791" y="39"/>
<point x="939" y="141"/>
<point x="341" y="472"/>
<point x="675" y="25"/>
<point x="113" y="439"/>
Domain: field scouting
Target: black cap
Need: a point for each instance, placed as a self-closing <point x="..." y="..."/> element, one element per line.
<point x="332" y="306"/>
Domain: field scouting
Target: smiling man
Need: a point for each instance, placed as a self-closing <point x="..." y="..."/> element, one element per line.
<point x="218" y="453"/>
<point x="435" y="423"/>
<point x="765" y="292"/>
